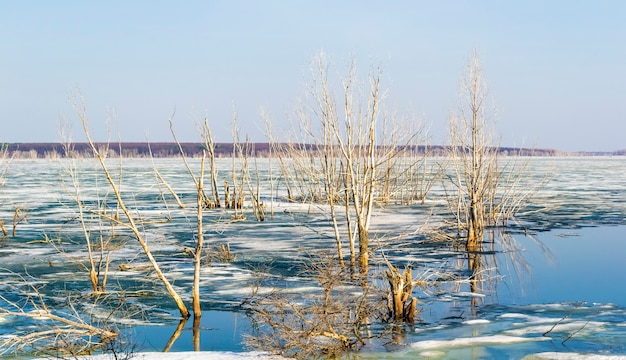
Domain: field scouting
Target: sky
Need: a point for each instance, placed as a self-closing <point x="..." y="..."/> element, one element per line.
<point x="556" y="70"/>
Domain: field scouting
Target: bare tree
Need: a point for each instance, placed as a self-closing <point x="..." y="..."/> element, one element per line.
<point x="130" y="224"/>
<point x="345" y="153"/>
<point x="342" y="153"/>
<point x="201" y="203"/>
<point x="4" y="167"/>
<point x="209" y="144"/>
<point x="474" y="155"/>
<point x="197" y="260"/>
<point x="485" y="192"/>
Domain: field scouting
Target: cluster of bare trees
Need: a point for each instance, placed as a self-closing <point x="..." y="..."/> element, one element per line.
<point x="346" y="155"/>
<point x="350" y="154"/>
<point x="106" y="224"/>
<point x="351" y="157"/>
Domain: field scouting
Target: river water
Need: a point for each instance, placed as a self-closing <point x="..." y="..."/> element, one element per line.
<point x="557" y="288"/>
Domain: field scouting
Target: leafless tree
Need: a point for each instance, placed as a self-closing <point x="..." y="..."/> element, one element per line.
<point x="345" y="153"/>
<point x="81" y="110"/>
<point x="474" y="155"/>
<point x="486" y="191"/>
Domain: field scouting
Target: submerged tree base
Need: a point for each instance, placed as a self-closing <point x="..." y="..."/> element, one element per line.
<point x="342" y="316"/>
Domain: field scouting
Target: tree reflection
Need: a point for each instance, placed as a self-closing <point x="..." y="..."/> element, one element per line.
<point x="175" y="335"/>
<point x="179" y="329"/>
<point x="496" y="256"/>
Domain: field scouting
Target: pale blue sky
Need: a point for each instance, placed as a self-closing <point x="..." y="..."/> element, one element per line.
<point x="556" y="69"/>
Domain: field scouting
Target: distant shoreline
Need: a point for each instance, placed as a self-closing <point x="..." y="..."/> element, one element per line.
<point x="194" y="149"/>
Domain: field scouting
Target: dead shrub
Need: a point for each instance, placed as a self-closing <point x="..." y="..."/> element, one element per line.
<point x="341" y="316"/>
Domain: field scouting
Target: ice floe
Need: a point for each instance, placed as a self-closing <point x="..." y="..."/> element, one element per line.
<point x="574" y="327"/>
<point x="474" y="341"/>
<point x="190" y="355"/>
<point x="572" y="356"/>
<point x="476" y="322"/>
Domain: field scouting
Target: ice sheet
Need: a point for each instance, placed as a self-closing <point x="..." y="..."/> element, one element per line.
<point x="189" y="355"/>
<point x="474" y="341"/>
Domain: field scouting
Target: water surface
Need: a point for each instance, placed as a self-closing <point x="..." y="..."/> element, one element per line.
<point x="572" y="239"/>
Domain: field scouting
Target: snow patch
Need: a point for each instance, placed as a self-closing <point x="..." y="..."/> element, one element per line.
<point x="530" y="319"/>
<point x="578" y="327"/>
<point x="190" y="355"/>
<point x="433" y="354"/>
<point x="571" y="356"/>
<point x="474" y="341"/>
<point x="476" y="322"/>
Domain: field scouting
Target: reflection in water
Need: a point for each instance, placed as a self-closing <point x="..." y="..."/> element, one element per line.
<point x="179" y="329"/>
<point x="474" y="260"/>
<point x="175" y="335"/>
<point x="196" y="332"/>
<point x="482" y="264"/>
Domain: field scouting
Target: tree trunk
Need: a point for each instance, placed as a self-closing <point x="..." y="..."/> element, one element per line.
<point x="363" y="250"/>
<point x="197" y="312"/>
<point x="227" y="194"/>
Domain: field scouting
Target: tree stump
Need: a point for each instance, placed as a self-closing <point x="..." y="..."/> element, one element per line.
<point x="403" y="306"/>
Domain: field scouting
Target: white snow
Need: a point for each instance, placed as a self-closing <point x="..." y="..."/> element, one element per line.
<point x="572" y="356"/>
<point x="578" y="327"/>
<point x="530" y="319"/>
<point x="191" y="355"/>
<point x="474" y="341"/>
<point x="433" y="354"/>
<point x="476" y="322"/>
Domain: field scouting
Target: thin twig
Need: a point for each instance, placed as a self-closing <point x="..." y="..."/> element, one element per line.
<point x="564" y="317"/>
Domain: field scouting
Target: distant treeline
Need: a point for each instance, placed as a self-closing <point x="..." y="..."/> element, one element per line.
<point x="170" y="149"/>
